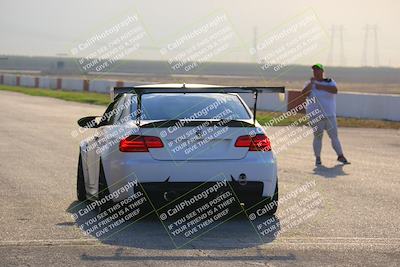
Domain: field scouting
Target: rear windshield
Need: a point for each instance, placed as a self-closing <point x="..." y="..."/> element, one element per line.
<point x="193" y="106"/>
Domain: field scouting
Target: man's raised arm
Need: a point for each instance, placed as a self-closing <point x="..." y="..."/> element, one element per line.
<point x="328" y="88"/>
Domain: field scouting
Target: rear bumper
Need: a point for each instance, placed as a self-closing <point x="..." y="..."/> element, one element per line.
<point x="244" y="192"/>
<point x="260" y="170"/>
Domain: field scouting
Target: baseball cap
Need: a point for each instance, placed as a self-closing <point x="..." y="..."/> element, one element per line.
<point x="318" y="66"/>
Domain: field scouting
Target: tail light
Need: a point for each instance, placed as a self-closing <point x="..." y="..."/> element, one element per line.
<point x="139" y="143"/>
<point x="258" y="142"/>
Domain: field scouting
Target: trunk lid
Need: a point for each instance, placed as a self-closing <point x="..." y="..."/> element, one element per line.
<point x="207" y="140"/>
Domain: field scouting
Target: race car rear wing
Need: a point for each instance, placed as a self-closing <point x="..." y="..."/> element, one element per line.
<point x="139" y="91"/>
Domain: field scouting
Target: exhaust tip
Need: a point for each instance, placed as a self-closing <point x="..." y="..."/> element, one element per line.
<point x="242" y="179"/>
<point x="169" y="195"/>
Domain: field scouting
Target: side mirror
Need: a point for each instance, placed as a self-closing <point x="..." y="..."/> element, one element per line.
<point x="88" y="122"/>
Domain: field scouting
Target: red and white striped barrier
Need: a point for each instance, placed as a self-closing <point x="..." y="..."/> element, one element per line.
<point x="354" y="105"/>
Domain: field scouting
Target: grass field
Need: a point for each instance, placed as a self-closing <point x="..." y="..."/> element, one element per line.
<point x="262" y="117"/>
<point x="83" y="97"/>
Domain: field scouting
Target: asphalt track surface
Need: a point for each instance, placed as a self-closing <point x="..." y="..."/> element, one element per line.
<point x="356" y="221"/>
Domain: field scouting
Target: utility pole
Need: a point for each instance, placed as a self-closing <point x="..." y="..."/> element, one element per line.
<point x="342" y="57"/>
<point x="330" y="54"/>
<point x="370" y="29"/>
<point x="364" y="61"/>
<point x="376" y="53"/>
<point x="255" y="41"/>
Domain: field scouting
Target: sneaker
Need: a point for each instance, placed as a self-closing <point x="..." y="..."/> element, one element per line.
<point x="343" y="160"/>
<point x="318" y="161"/>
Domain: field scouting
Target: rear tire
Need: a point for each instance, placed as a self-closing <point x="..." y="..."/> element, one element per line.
<point x="80" y="182"/>
<point x="274" y="200"/>
<point x="103" y="190"/>
<point x="261" y="201"/>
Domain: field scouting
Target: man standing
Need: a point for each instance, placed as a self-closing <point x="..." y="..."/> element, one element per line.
<point x="324" y="91"/>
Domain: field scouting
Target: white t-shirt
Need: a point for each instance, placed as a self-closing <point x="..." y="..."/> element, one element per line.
<point x="324" y="101"/>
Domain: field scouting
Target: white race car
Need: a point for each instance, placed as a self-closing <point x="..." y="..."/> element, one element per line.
<point x="172" y="138"/>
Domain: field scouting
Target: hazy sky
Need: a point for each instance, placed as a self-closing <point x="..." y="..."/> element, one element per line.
<point x="50" y="27"/>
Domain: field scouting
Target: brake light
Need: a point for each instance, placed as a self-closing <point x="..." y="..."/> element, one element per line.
<point x="259" y="142"/>
<point x="138" y="143"/>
